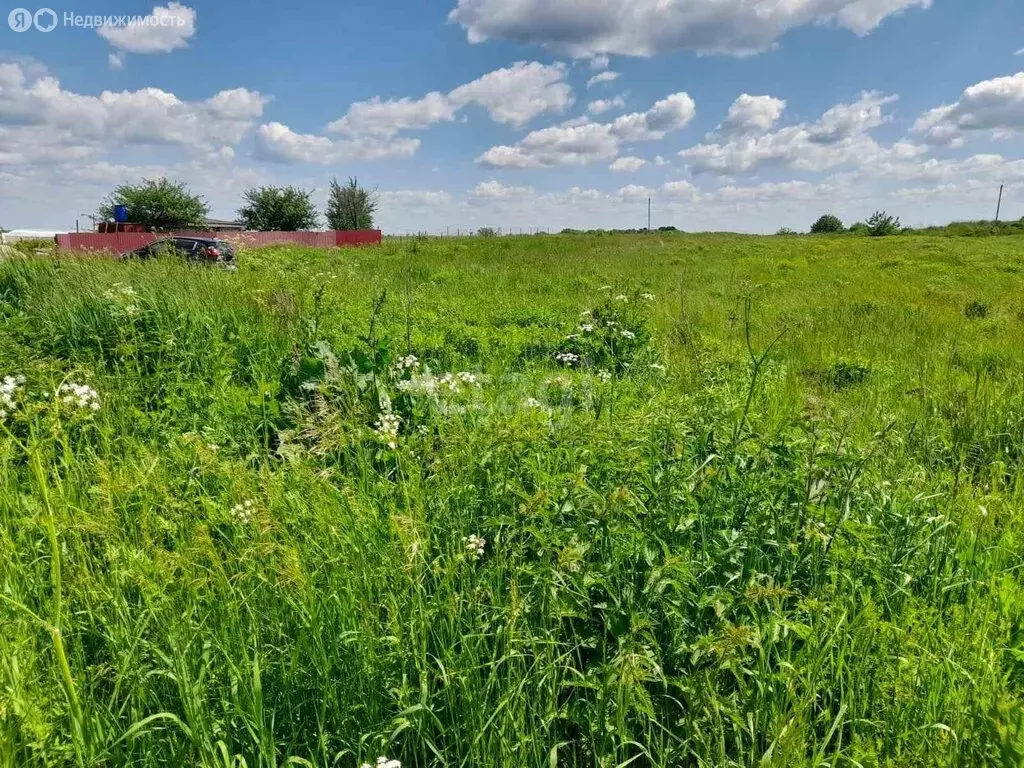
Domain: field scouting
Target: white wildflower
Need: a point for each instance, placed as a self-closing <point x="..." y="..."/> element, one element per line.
<point x="9" y="388"/>
<point x="425" y="385"/>
<point x="242" y="513"/>
<point x="79" y="396"/>
<point x="468" y="378"/>
<point x="658" y="367"/>
<point x="572" y="337"/>
<point x="604" y="375"/>
<point x="474" y="545"/>
<point x="387" y="429"/>
<point x="606" y="287"/>
<point x="628" y="334"/>
<point x="587" y="327"/>
<point x="449" y="381"/>
<point x="568" y="358"/>
<point x="622" y="297"/>
<point x="532" y="402"/>
<point x="647" y="296"/>
<point x="384" y="762"/>
<point x="407" y="363"/>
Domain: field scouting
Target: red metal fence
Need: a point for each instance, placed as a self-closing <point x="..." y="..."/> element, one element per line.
<point x="122" y="242"/>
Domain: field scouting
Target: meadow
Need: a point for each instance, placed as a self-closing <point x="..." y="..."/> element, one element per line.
<point x="664" y="500"/>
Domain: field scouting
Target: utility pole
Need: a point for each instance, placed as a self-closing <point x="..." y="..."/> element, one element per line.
<point x="999" y="205"/>
<point x="648" y="214"/>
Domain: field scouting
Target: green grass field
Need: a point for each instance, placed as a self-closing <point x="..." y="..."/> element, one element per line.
<point x="651" y="501"/>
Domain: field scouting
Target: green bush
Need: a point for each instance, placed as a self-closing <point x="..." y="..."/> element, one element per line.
<point x="827" y="224"/>
<point x="881" y="224"/>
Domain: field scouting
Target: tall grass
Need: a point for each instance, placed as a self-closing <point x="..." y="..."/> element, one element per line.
<point x="770" y="517"/>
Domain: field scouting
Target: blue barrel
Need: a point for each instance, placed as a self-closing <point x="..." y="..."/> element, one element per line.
<point x="120" y="213"/>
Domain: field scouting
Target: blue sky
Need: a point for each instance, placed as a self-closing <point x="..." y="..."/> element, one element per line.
<point x="526" y="113"/>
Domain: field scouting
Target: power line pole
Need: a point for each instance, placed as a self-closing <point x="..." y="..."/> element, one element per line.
<point x="648" y="214"/>
<point x="999" y="205"/>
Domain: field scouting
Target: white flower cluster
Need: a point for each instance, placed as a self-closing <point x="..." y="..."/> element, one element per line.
<point x="647" y="296"/>
<point x="587" y="327"/>
<point x="567" y="358"/>
<point x="123" y="293"/>
<point x="532" y="402"/>
<point x="383" y="762"/>
<point x="604" y="376"/>
<point x="79" y="396"/>
<point x="428" y="385"/>
<point x="387" y="429"/>
<point x="628" y="334"/>
<point x="474" y="545"/>
<point x="407" y="363"/>
<point x="242" y="512"/>
<point x="8" y="394"/>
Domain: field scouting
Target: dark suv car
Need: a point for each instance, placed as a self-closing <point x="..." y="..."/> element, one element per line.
<point x="200" y="249"/>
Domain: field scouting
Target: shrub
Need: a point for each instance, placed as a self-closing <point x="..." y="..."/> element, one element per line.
<point x="157" y="204"/>
<point x="881" y="224"/>
<point x="487" y="232"/>
<point x="350" y="207"/>
<point x="278" y="209"/>
<point x="786" y="231"/>
<point x="827" y="224"/>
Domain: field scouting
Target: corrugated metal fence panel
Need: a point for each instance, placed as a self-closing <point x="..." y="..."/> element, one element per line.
<point x="112" y="243"/>
<point x="121" y="242"/>
<point x="358" y="237"/>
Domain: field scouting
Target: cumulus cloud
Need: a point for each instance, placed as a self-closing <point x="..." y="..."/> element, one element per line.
<point x="386" y="118"/>
<point x="512" y="95"/>
<point x="496" y="190"/>
<point x="996" y="105"/>
<point x="116" y="61"/>
<point x="603" y="62"/>
<point x="839" y="137"/>
<point x="517" y="94"/>
<point x="583" y="142"/>
<point x="600" y="106"/>
<point x="752" y="114"/>
<point x="169" y="28"/>
<point x="279" y="143"/>
<point x="648" y="27"/>
<point x="112" y="119"/>
<point x="603" y="77"/>
<point x="627" y="164"/>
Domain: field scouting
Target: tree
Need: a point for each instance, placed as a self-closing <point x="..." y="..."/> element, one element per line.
<point x="157" y="204"/>
<point x="882" y="224"/>
<point x="350" y="206"/>
<point x="487" y="232"/>
<point x="785" y="232"/>
<point x="827" y="224"/>
<point x="278" y="209"/>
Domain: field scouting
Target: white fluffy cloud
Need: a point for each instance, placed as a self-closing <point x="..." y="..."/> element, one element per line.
<point x="752" y="114"/>
<point x="512" y="95"/>
<point x="496" y="190"/>
<point x="517" y="94"/>
<point x="584" y="142"/>
<point x="279" y="143"/>
<point x="600" y="106"/>
<point x="64" y="119"/>
<point x="386" y="118"/>
<point x="996" y="105"/>
<point x="839" y="137"/>
<point x="603" y="77"/>
<point x="168" y="28"/>
<point x="627" y="164"/>
<point x="649" y="27"/>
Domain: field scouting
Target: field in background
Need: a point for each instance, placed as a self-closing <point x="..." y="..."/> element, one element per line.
<point x="670" y="500"/>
